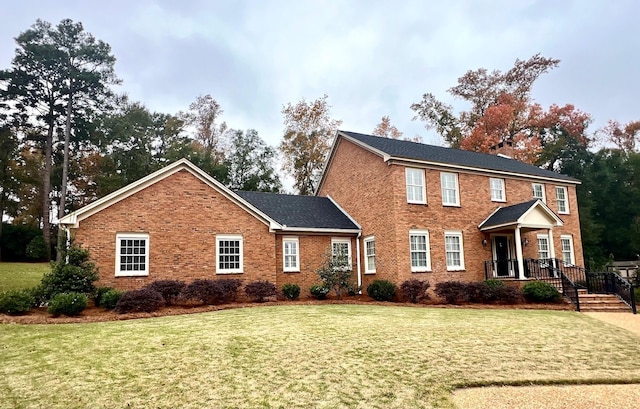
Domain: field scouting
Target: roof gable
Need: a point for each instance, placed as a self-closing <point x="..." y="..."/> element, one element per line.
<point x="430" y="154"/>
<point x="532" y="214"/>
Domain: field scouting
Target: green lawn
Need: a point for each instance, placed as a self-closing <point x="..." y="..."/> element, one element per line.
<point x="316" y="356"/>
<point x="21" y="275"/>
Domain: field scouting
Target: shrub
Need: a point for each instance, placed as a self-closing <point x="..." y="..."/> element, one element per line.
<point x="479" y="292"/>
<point x="319" y="291"/>
<point x="415" y="290"/>
<point x="70" y="304"/>
<point x="506" y="294"/>
<point x="453" y="292"/>
<point x="16" y="302"/>
<point x="213" y="291"/>
<point x="144" y="300"/>
<point x="381" y="290"/>
<point x="109" y="299"/>
<point x="540" y="291"/>
<point x="258" y="291"/>
<point x="37" y="248"/>
<point x="76" y="275"/>
<point x="97" y="295"/>
<point x="335" y="272"/>
<point x="169" y="289"/>
<point x="39" y="298"/>
<point x="291" y="291"/>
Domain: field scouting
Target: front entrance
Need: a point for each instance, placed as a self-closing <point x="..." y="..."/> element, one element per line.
<point x="501" y="248"/>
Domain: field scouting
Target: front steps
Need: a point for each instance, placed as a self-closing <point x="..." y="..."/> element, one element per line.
<point x="601" y="303"/>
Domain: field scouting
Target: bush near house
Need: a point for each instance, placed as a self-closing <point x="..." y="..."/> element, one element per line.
<point x="110" y="299"/>
<point x="291" y="291"/>
<point x="16" y="302"/>
<point x="211" y="292"/>
<point x="70" y="304"/>
<point x="336" y="273"/>
<point x="319" y="291"/>
<point x="483" y="292"/>
<point x="260" y="290"/>
<point x="540" y="291"/>
<point x="75" y="274"/>
<point x="415" y="290"/>
<point x="143" y="300"/>
<point x="453" y="292"/>
<point x="169" y="289"/>
<point x="381" y="290"/>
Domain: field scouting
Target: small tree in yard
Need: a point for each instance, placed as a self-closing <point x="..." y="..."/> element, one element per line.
<point x="73" y="274"/>
<point x="335" y="272"/>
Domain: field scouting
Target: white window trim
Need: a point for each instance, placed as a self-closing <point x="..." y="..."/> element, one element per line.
<point x="296" y="267"/>
<point x="457" y="189"/>
<point x="348" y="242"/>
<point x="134" y="236"/>
<point x="572" y="254"/>
<point x="420" y="269"/>
<point x="566" y="199"/>
<point x="458" y="234"/>
<point x="544" y="195"/>
<point x="502" y="190"/>
<point x="222" y="237"/>
<point x="366" y="255"/>
<point x="423" y="186"/>
<point x="546" y="239"/>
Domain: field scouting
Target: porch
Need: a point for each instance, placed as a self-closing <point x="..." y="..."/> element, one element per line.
<point x="549" y="270"/>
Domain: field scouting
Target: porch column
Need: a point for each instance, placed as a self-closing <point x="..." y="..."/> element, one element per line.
<point x="552" y="249"/>
<point x="519" y="254"/>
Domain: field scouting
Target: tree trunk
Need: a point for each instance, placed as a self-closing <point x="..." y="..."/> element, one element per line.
<point x="46" y="191"/>
<point x="62" y="237"/>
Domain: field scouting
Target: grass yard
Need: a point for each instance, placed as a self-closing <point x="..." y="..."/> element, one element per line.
<point x="315" y="356"/>
<point x="15" y="276"/>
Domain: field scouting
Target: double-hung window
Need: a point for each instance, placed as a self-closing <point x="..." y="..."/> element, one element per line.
<point x="370" y="255"/>
<point x="543" y="247"/>
<point x="419" y="250"/>
<point x="132" y="254"/>
<point x="449" y="185"/>
<point x="416" y="191"/>
<point x="497" y="190"/>
<point x="566" y="242"/>
<point x="538" y="191"/>
<point x="341" y="252"/>
<point x="290" y="254"/>
<point x="229" y="254"/>
<point x="454" y="250"/>
<point x="562" y="200"/>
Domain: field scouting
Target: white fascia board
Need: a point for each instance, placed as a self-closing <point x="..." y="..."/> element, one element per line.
<point x="488" y="217"/>
<point x="485" y="171"/>
<point x="344" y="212"/>
<point x="320" y="230"/>
<point x="546" y="209"/>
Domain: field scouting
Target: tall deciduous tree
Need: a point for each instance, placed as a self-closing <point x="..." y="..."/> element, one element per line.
<point x="308" y="132"/>
<point x="386" y="130"/>
<point x="624" y="137"/>
<point x="251" y="163"/>
<point x="204" y="116"/>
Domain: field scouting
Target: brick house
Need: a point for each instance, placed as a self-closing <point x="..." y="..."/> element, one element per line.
<point x="398" y="209"/>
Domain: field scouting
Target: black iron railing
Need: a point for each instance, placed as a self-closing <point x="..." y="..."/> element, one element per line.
<point x="540" y="269"/>
<point x="570" y="290"/>
<point x="610" y="282"/>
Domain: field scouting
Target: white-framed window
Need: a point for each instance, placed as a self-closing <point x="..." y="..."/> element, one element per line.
<point x="454" y="250"/>
<point x="562" y="200"/>
<point x="497" y="190"/>
<point x="290" y="254"/>
<point x="132" y="254"/>
<point x="419" y="250"/>
<point x="341" y="250"/>
<point x="538" y="191"/>
<point x="369" y="255"/>
<point x="416" y="189"/>
<point x="543" y="247"/>
<point x="566" y="241"/>
<point x="229" y="253"/>
<point x="449" y="185"/>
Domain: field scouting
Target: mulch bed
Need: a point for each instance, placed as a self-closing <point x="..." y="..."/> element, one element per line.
<point x="96" y="314"/>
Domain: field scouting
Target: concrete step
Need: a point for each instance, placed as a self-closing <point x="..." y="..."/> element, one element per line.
<point x="602" y="303"/>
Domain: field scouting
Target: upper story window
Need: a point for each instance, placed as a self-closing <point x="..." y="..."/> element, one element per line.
<point x="562" y="200"/>
<point x="419" y="250"/>
<point x="341" y="251"/>
<point x="416" y="191"/>
<point x="132" y="254"/>
<point x="566" y="242"/>
<point x="370" y="255"/>
<point x="454" y="250"/>
<point x="290" y="254"/>
<point x="450" y="193"/>
<point x="497" y="190"/>
<point x="229" y="251"/>
<point x="538" y="191"/>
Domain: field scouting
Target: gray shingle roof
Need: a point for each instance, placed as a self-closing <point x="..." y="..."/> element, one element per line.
<point x="439" y="154"/>
<point x="509" y="214"/>
<point x="300" y="211"/>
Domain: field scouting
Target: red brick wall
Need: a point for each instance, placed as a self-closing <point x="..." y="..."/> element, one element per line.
<point x="182" y="216"/>
<point x="374" y="194"/>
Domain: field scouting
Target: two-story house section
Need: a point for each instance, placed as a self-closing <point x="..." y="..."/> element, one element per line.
<point x="441" y="214"/>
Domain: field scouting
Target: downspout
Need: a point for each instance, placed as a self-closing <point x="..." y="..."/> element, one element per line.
<point x="358" y="263"/>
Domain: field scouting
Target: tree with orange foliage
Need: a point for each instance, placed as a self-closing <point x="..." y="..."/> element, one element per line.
<point x="622" y="136"/>
<point x="386" y="130"/>
<point x="308" y="132"/>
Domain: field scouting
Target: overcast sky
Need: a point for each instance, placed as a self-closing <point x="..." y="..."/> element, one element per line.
<point x="372" y="58"/>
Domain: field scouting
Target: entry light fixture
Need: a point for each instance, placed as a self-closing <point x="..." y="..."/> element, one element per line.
<point x="484" y="242"/>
